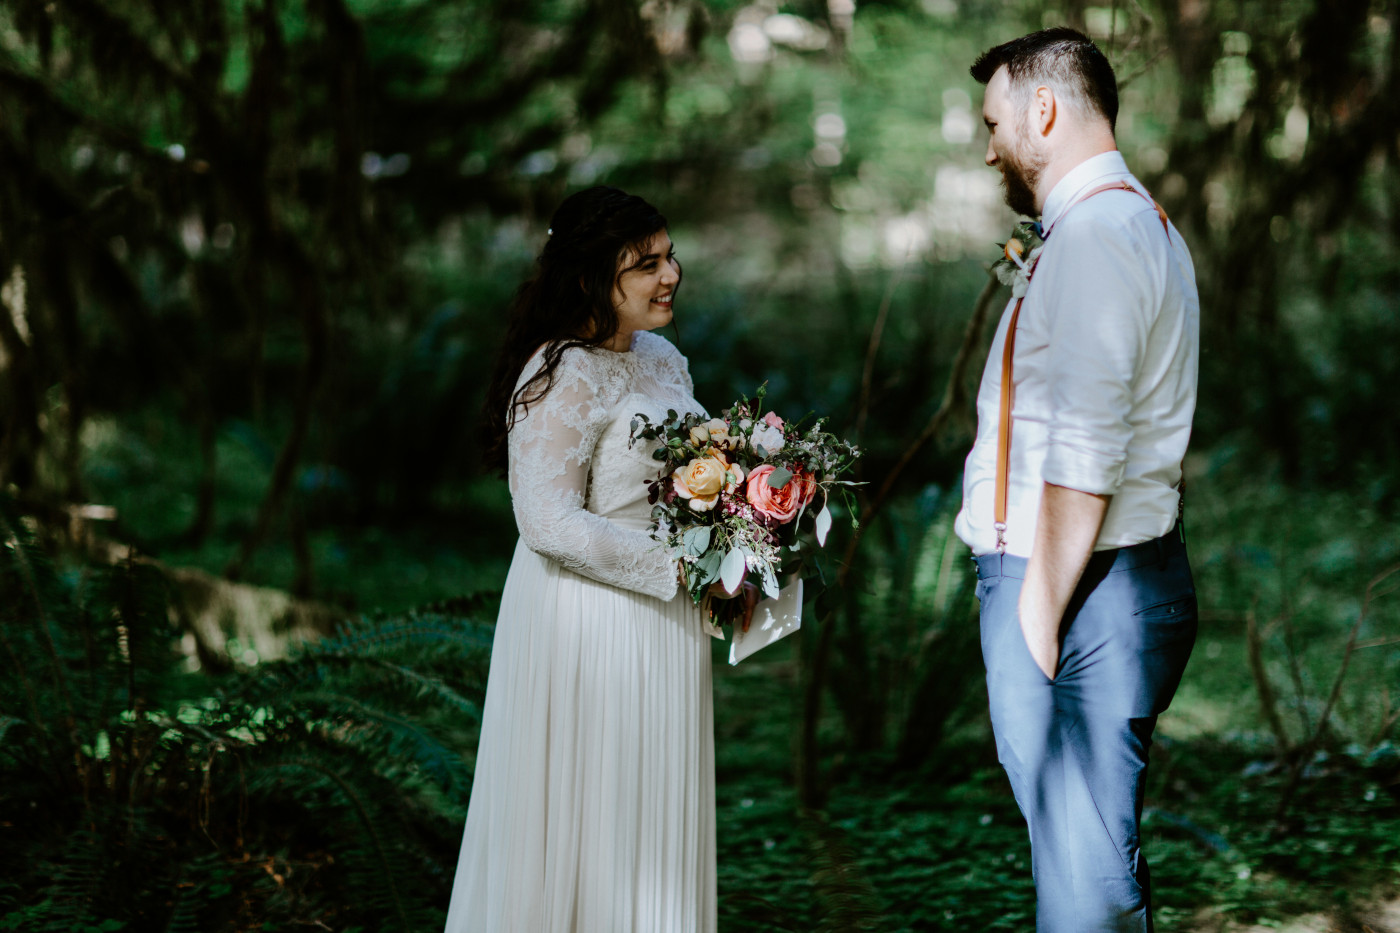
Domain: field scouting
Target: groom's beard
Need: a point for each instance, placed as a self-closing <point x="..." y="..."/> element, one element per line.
<point x="1020" y="173"/>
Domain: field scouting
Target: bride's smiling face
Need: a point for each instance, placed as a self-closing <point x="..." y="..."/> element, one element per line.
<point x="645" y="288"/>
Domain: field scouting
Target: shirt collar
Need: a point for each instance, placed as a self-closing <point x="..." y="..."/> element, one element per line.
<point x="1093" y="170"/>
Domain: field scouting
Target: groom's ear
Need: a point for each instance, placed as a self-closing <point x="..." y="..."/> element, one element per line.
<point x="1043" y="110"/>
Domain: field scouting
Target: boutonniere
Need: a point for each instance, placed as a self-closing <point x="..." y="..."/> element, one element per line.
<point x="1018" y="256"/>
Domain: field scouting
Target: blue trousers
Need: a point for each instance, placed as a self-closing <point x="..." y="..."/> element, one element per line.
<point x="1076" y="747"/>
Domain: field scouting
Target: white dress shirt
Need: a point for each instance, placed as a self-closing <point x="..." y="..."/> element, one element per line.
<point x="1105" y="369"/>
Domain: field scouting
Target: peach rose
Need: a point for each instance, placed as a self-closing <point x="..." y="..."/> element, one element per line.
<point x="719" y="433"/>
<point x="734" y="474"/>
<point x="783" y="504"/>
<point x="701" y="480"/>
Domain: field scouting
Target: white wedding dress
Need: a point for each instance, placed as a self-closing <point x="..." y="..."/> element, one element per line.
<point x="593" y="805"/>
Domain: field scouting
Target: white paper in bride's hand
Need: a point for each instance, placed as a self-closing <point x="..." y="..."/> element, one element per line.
<point x="772" y="619"/>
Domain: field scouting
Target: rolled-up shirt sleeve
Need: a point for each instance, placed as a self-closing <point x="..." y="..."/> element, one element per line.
<point x="1098" y="327"/>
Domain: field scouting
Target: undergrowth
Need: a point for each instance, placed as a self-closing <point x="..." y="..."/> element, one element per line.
<point x="324" y="790"/>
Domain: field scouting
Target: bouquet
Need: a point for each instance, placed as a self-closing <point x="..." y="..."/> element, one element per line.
<point x="734" y="491"/>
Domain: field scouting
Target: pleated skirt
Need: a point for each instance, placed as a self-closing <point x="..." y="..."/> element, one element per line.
<point x="593" y="804"/>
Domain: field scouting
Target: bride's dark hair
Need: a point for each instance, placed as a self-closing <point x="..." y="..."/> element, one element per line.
<point x="567" y="302"/>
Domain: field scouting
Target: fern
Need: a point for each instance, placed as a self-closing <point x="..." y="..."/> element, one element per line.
<point x="334" y="760"/>
<point x="378" y="878"/>
<point x="74" y="886"/>
<point x="5" y="723"/>
<point x="431" y="687"/>
<point x="184" y="911"/>
<point x="367" y="638"/>
<point x="30" y="586"/>
<point x="30" y="598"/>
<point x="405" y="741"/>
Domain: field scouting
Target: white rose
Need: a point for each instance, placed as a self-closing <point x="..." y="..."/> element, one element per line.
<point x="767" y="437"/>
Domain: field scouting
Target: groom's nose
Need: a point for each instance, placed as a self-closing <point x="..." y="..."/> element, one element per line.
<point x="991" y="156"/>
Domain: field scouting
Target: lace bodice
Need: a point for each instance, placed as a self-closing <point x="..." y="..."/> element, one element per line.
<point x="579" y="492"/>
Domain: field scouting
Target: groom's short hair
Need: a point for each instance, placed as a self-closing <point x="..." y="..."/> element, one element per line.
<point x="1062" y="58"/>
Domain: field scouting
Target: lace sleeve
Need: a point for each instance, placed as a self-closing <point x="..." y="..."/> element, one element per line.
<point x="551" y="449"/>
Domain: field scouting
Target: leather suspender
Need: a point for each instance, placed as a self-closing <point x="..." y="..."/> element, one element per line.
<point x="1008" y="391"/>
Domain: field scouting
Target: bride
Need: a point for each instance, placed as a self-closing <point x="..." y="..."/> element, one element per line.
<point x="592" y="809"/>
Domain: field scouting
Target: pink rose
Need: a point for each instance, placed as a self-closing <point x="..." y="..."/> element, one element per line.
<point x="781" y="505"/>
<point x="773" y="421"/>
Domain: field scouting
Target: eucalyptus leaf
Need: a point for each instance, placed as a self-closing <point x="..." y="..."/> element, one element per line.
<point x="823" y="524"/>
<point x="780" y="477"/>
<point x="731" y="572"/>
<point x="770" y="582"/>
<point x="697" y="539"/>
<point x="707" y="569"/>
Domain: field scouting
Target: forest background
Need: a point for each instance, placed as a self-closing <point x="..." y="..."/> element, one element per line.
<point x="255" y="258"/>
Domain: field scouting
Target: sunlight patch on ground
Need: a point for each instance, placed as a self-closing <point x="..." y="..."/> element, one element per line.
<point x="1310" y="923"/>
<point x="1384" y="917"/>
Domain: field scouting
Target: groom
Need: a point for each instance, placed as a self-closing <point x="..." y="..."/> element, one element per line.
<point x="1072" y="488"/>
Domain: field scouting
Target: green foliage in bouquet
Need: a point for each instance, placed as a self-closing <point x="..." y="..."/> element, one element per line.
<point x="733" y="491"/>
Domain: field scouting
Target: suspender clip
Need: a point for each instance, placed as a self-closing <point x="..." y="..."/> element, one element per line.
<point x="1001" y="536"/>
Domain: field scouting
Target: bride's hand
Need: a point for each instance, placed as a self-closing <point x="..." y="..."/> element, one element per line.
<point x="747" y="591"/>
